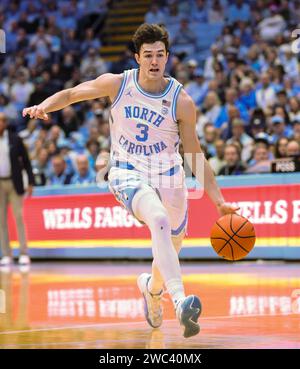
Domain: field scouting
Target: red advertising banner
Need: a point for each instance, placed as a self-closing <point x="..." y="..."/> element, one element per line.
<point x="98" y="219"/>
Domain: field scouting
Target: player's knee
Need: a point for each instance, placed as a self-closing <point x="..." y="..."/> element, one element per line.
<point x="160" y="220"/>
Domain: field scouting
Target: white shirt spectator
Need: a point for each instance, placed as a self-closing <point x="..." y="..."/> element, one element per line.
<point x="42" y="43"/>
<point x="20" y="92"/>
<point x="289" y="61"/>
<point x="265" y="97"/>
<point x="271" y="27"/>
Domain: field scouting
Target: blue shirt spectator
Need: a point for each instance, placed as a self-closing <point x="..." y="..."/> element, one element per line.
<point x="59" y="174"/>
<point x="239" y="11"/>
<point x="231" y="99"/>
<point x="199" y="12"/>
<point x="198" y="88"/>
<point x="84" y="175"/>
<point x="280" y="129"/>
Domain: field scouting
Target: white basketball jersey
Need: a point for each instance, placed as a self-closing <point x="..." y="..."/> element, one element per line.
<point x="144" y="130"/>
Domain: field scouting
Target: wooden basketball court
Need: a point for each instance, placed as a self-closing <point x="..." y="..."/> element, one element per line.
<point x="98" y="305"/>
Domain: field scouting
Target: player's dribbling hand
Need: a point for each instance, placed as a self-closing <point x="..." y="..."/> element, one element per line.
<point x="227" y="208"/>
<point x="35" y="112"/>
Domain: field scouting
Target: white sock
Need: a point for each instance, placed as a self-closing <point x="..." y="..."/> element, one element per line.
<point x="176" y="290"/>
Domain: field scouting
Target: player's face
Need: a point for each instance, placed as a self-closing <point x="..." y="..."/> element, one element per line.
<point x="152" y="60"/>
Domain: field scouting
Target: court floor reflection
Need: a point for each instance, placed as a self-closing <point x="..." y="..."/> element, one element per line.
<point x="98" y="305"/>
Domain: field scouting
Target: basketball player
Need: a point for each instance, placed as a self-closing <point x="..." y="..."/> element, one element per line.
<point x="149" y="113"/>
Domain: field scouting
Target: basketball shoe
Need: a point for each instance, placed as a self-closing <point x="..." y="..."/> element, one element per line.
<point x="188" y="311"/>
<point x="152" y="302"/>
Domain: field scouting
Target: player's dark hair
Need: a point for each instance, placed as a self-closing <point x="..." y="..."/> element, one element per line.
<point x="148" y="34"/>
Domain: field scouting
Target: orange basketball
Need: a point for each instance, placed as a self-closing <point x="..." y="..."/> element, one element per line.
<point x="232" y="237"/>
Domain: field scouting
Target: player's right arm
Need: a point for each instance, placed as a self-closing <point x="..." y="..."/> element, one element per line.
<point x="106" y="85"/>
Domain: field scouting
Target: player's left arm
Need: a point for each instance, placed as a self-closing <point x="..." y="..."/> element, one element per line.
<point x="186" y="116"/>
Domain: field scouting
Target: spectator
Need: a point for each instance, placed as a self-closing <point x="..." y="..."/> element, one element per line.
<point x="294" y="106"/>
<point x="155" y="15"/>
<point x="173" y="16"/>
<point x="65" y="19"/>
<point x="296" y="128"/>
<point x="69" y="121"/>
<point x="21" y="89"/>
<point x="212" y="107"/>
<point x="216" y="56"/>
<point x="55" y="134"/>
<point x="231" y="99"/>
<point x="93" y="149"/>
<point x="282" y="100"/>
<point x="70" y="43"/>
<point x="261" y="162"/>
<point x="127" y="61"/>
<point x="198" y="88"/>
<point x="41" y="42"/>
<point x="59" y="175"/>
<point x="279" y="128"/>
<point x="92" y="66"/>
<point x="85" y="175"/>
<point x="247" y="97"/>
<point x="210" y="135"/>
<point x="238" y="134"/>
<point x="199" y="12"/>
<point x="239" y="10"/>
<point x="271" y="26"/>
<point x="89" y="42"/>
<point x="39" y="94"/>
<point x="13" y="159"/>
<point x="293" y="148"/>
<point x="232" y="157"/>
<point x="217" y="161"/>
<point x="185" y="39"/>
<point x="265" y="95"/>
<point x="216" y="13"/>
<point x="281" y="148"/>
<point x="40" y="167"/>
<point x="289" y="61"/>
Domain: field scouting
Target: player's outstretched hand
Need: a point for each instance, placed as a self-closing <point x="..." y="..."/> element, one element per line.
<point x="227" y="208"/>
<point x="35" y="112"/>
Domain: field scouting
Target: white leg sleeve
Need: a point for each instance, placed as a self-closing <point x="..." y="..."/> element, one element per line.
<point x="148" y="208"/>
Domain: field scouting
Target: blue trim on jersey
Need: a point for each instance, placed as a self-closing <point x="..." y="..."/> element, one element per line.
<point x="135" y="72"/>
<point x="176" y="232"/>
<point x="121" y="90"/>
<point x="171" y="171"/>
<point x="178" y="88"/>
<point x="124" y="165"/>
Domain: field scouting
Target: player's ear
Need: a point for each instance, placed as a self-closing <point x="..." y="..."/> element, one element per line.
<point x="137" y="58"/>
<point x="167" y="55"/>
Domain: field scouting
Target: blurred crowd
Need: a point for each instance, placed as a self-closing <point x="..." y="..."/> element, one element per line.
<point x="245" y="85"/>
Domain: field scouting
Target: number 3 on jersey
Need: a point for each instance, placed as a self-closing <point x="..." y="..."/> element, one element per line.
<point x="144" y="132"/>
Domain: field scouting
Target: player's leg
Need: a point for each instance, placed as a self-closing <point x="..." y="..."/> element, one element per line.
<point x="148" y="207"/>
<point x="156" y="282"/>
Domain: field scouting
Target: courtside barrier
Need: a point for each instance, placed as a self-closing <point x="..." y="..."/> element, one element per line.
<point x="87" y="222"/>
